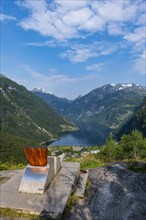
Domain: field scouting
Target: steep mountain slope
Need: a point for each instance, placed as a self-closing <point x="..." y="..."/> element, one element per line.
<point x="27" y="116"/>
<point x="59" y="104"/>
<point x="109" y="105"/>
<point x="137" y="121"/>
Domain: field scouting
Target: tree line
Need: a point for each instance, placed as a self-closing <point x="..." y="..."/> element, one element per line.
<point x="130" y="147"/>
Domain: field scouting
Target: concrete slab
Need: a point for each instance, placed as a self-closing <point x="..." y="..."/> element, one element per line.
<point x="81" y="185"/>
<point x="52" y="202"/>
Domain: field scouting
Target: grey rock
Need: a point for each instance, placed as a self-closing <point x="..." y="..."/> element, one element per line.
<point x="115" y="193"/>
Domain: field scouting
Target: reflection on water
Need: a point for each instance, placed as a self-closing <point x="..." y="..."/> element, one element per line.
<point x="88" y="135"/>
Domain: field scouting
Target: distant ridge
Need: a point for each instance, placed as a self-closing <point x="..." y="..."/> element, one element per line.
<point x="2" y="76"/>
<point x="109" y="105"/>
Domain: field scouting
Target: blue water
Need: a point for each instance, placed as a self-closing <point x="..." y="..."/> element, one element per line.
<point x="70" y="140"/>
<point x="88" y="135"/>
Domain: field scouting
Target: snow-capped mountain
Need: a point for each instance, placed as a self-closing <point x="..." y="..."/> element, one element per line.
<point x="41" y="90"/>
<point x="109" y="105"/>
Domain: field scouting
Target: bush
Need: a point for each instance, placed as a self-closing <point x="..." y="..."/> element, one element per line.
<point x="131" y="146"/>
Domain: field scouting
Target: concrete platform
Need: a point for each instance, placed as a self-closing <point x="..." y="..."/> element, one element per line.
<point x="52" y="202"/>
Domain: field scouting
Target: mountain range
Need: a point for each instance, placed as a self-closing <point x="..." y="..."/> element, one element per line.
<point x="110" y="105"/>
<point x="25" y="115"/>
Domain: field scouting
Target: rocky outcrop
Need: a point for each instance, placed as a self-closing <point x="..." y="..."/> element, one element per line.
<point x="115" y="193"/>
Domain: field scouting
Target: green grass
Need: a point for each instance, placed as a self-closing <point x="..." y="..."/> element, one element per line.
<point x="87" y="162"/>
<point x="7" y="166"/>
<point x="71" y="201"/>
<point x="94" y="148"/>
<point x="87" y="185"/>
<point x="136" y="167"/>
<point x="12" y="214"/>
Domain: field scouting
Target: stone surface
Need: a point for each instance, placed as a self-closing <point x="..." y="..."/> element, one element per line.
<point x="115" y="193"/>
<point x="52" y="202"/>
<point x="81" y="185"/>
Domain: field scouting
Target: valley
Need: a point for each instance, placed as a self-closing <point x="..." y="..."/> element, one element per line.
<point x="39" y="117"/>
<point x="73" y="100"/>
<point x="86" y="134"/>
<point x="101" y="111"/>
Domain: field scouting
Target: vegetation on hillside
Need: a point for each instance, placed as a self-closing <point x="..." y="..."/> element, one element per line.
<point x="11" y="149"/>
<point x="130" y="147"/>
<point x="27" y="116"/>
<point x="108" y="105"/>
<point x="137" y="121"/>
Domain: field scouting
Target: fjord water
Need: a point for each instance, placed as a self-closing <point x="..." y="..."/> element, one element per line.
<point x="88" y="135"/>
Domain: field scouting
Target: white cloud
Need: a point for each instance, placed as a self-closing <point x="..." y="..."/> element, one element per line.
<point x="53" y="70"/>
<point x="55" y="78"/>
<point x="60" y="84"/>
<point x="49" y="43"/>
<point x="80" y="52"/>
<point x="115" y="28"/>
<point x="141" y="20"/>
<point x="137" y="35"/>
<point x="95" y="67"/>
<point x="137" y="39"/>
<point x="77" y="17"/>
<point x="46" y="21"/>
<point x="93" y="24"/>
<point x="139" y="64"/>
<point x="107" y="51"/>
<point x="4" y="17"/>
<point x="109" y="10"/>
<point x="34" y="74"/>
<point x="67" y="19"/>
<point x="69" y="5"/>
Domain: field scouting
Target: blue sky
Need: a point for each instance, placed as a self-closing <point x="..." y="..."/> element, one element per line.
<point x="70" y="47"/>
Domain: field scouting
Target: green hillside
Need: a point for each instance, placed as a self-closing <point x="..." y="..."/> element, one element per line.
<point x="137" y="121"/>
<point x="27" y="116"/>
<point x="11" y="149"/>
<point x="109" y="105"/>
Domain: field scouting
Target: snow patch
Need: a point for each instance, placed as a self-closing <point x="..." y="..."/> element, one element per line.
<point x="41" y="90"/>
<point x="127" y="85"/>
<point x="120" y="88"/>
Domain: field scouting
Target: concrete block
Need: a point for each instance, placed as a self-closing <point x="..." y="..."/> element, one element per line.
<point x="36" y="179"/>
